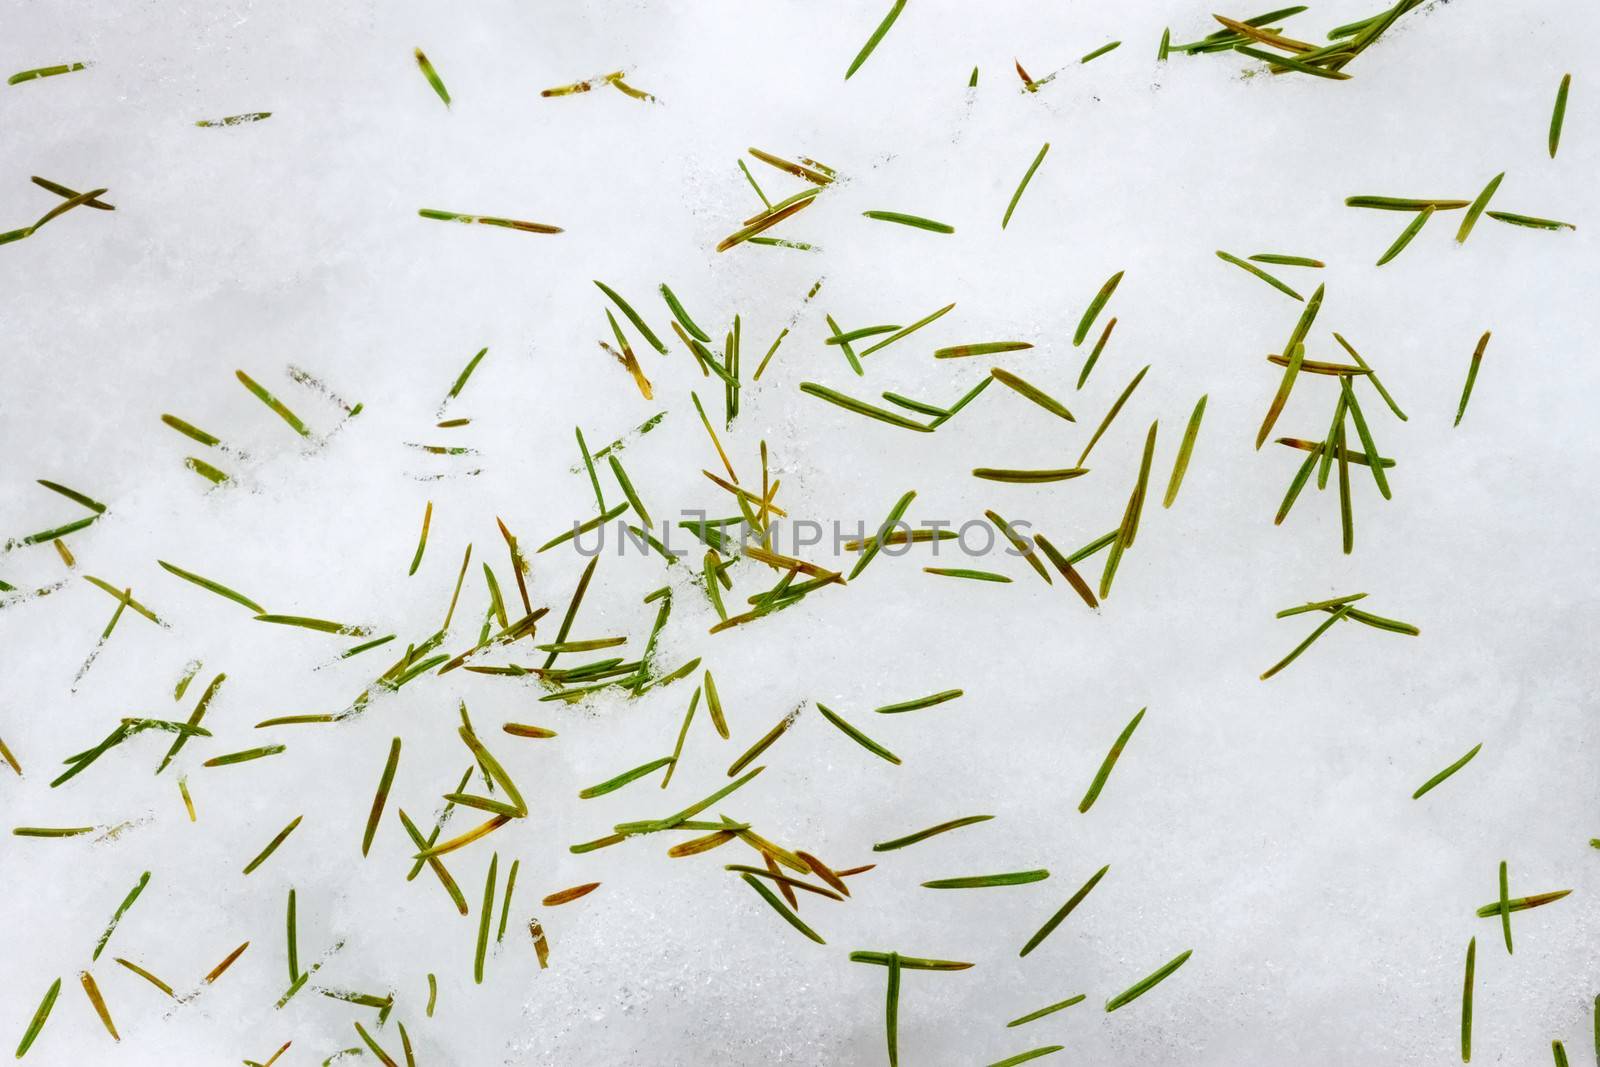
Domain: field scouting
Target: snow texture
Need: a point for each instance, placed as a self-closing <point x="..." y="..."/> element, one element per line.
<point x="1268" y="826"/>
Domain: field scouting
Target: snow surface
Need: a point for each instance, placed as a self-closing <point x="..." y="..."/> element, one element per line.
<point x="1267" y="826"/>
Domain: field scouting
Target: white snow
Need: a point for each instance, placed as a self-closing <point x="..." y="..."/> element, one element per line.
<point x="1267" y="826"/>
